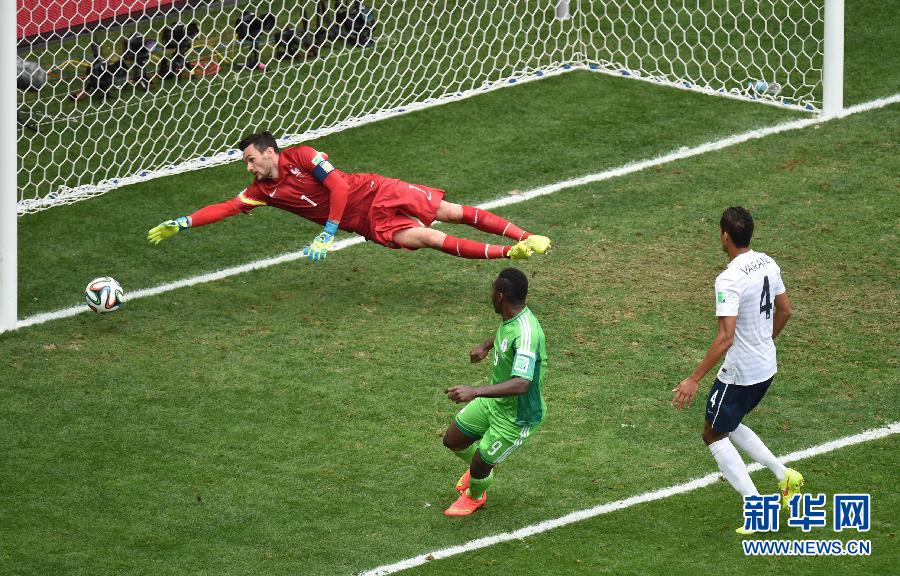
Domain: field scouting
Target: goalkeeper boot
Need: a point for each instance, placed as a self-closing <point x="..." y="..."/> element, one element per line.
<point x="744" y="531"/>
<point x="540" y="244"/>
<point x="792" y="483"/>
<point x="465" y="505"/>
<point x="463" y="483"/>
<point x="520" y="251"/>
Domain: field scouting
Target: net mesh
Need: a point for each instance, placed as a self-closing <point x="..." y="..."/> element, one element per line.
<point x="770" y="50"/>
<point x="115" y="92"/>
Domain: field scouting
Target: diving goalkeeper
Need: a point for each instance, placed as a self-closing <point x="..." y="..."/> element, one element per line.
<point x="385" y="210"/>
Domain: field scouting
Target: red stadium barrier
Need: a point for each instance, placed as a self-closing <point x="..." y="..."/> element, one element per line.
<point x="43" y="16"/>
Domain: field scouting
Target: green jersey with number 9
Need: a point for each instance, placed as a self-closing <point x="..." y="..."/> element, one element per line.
<point x="520" y="350"/>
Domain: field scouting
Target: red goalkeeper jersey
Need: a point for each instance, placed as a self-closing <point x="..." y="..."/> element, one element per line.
<point x="309" y="186"/>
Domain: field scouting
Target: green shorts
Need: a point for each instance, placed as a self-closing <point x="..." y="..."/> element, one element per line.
<point x="497" y="437"/>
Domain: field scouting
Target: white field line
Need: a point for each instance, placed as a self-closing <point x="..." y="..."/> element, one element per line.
<point x="683" y="152"/>
<point x="580" y="515"/>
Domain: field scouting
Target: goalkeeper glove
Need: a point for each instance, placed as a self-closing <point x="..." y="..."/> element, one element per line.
<point x="168" y="229"/>
<point x="318" y="248"/>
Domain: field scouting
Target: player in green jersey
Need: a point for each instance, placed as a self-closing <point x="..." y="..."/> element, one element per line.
<point x="499" y="418"/>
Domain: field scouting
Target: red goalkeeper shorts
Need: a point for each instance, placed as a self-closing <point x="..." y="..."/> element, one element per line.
<point x="400" y="205"/>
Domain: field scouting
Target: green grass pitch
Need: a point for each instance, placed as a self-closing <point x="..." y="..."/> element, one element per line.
<point x="288" y="421"/>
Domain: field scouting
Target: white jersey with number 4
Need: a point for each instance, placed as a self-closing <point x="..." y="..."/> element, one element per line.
<point x="747" y="289"/>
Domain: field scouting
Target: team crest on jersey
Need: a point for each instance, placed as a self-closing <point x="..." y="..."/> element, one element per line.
<point x="295" y="171"/>
<point x="504" y="345"/>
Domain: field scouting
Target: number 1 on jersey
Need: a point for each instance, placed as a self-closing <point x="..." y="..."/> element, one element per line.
<point x="765" y="301"/>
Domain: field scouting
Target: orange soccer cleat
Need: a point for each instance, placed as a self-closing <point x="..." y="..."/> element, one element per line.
<point x="465" y="505"/>
<point x="463" y="483"/>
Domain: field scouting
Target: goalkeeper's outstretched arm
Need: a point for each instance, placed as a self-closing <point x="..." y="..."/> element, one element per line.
<point x="202" y="217"/>
<point x="338" y="194"/>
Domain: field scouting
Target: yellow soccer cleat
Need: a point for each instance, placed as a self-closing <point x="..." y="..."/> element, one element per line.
<point x="743" y="531"/>
<point x="792" y="483"/>
<point x="540" y="244"/>
<point x="520" y="251"/>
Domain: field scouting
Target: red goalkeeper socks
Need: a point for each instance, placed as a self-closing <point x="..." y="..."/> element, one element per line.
<point x="472" y="249"/>
<point x="491" y="223"/>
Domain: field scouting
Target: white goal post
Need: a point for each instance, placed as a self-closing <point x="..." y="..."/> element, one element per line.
<point x="121" y="91"/>
<point x="9" y="192"/>
<point x="833" y="67"/>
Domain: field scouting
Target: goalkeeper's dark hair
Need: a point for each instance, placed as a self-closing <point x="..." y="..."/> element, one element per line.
<point x="738" y="222"/>
<point x="513" y="283"/>
<point x="260" y="141"/>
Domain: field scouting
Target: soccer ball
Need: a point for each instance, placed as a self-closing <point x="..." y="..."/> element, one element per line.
<point x="761" y="87"/>
<point x="104" y="294"/>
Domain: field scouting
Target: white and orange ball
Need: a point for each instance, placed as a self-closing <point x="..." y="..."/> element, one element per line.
<point x="104" y="294"/>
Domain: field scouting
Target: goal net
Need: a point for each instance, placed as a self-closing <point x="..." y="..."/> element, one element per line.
<point x="769" y="50"/>
<point x="116" y="92"/>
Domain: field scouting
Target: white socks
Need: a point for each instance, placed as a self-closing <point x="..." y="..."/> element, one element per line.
<point x="747" y="440"/>
<point x="732" y="466"/>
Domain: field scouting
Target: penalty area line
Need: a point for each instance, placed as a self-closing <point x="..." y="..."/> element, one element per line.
<point x="580" y="515"/>
<point x="630" y="168"/>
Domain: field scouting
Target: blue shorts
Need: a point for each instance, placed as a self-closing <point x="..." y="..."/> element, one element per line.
<point x="727" y="404"/>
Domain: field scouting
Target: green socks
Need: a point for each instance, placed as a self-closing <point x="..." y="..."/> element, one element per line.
<point x="478" y="486"/>
<point x="467" y="453"/>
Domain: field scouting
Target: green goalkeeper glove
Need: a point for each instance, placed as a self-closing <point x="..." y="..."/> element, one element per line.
<point x="318" y="248"/>
<point x="168" y="229"/>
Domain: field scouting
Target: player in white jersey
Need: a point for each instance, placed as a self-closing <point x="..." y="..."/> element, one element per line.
<point x="752" y="306"/>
